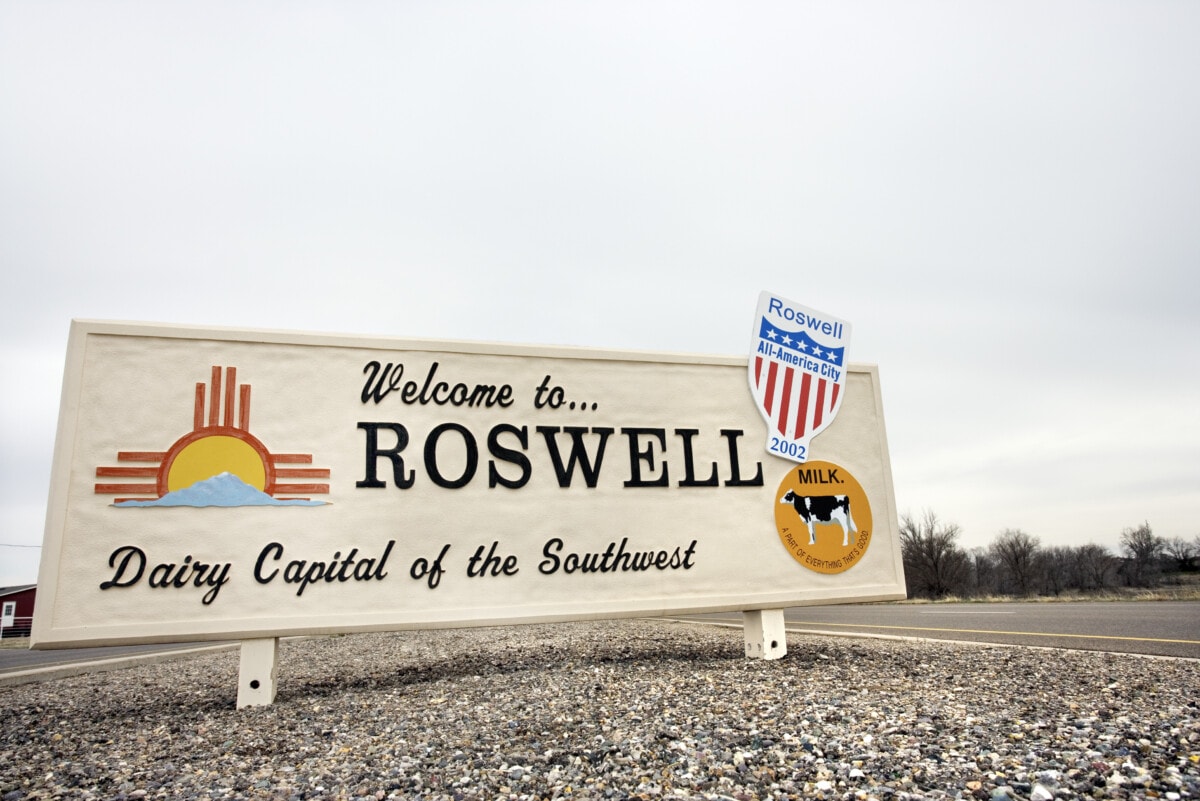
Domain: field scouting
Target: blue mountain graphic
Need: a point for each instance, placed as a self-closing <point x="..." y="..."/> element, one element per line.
<point x="225" y="489"/>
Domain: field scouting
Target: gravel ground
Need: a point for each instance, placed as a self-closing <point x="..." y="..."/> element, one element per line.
<point x="621" y="709"/>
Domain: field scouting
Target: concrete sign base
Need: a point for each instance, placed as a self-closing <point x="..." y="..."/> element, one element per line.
<point x="256" y="672"/>
<point x="764" y="633"/>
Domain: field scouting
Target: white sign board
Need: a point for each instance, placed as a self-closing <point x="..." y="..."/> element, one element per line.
<point x="223" y="484"/>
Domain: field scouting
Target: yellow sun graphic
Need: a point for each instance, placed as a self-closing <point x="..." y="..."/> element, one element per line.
<point x="208" y="456"/>
<point x="219" y="442"/>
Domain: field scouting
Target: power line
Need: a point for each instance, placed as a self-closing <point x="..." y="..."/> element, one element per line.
<point x="13" y="545"/>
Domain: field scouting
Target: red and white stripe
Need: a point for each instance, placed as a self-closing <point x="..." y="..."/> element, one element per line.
<point x="798" y="404"/>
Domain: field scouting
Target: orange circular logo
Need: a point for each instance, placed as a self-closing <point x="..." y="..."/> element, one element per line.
<point x="823" y="517"/>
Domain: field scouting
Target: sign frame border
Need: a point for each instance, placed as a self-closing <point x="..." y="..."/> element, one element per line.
<point x="45" y="635"/>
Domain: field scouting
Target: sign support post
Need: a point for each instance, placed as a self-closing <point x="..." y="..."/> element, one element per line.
<point x="256" y="672"/>
<point x="764" y="633"/>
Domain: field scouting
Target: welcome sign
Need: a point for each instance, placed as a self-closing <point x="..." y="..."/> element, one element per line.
<point x="223" y="484"/>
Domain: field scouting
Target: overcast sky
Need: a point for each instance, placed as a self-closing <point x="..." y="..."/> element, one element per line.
<point x="1002" y="198"/>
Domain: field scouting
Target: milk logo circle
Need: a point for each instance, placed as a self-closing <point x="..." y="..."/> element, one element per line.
<point x="823" y="517"/>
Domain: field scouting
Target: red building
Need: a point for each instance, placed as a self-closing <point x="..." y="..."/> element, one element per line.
<point x="16" y="610"/>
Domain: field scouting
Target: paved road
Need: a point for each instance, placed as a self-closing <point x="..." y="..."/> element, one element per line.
<point x="14" y="659"/>
<point x="1157" y="628"/>
<point x="1165" y="628"/>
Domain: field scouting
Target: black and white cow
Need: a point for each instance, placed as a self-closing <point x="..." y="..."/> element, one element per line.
<point x="814" y="509"/>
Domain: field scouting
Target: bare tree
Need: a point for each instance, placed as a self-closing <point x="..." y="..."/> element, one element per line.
<point x="985" y="575"/>
<point x="1182" y="552"/>
<point x="1143" y="551"/>
<point x="934" y="565"/>
<point x="1055" y="569"/>
<point x="1016" y="552"/>
<point x="1094" y="566"/>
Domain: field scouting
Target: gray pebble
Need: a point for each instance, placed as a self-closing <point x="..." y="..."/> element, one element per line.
<point x="617" y="710"/>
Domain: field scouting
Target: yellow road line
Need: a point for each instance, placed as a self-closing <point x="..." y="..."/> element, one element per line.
<point x="988" y="631"/>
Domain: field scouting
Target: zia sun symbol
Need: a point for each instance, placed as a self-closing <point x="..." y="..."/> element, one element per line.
<point x="218" y="463"/>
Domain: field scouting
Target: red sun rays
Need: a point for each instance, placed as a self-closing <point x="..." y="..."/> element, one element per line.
<point x="221" y="409"/>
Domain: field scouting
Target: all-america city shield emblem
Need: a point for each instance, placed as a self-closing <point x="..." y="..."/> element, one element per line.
<point x="797" y="369"/>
